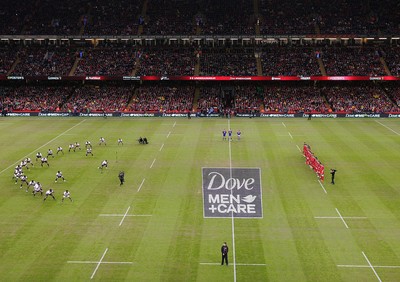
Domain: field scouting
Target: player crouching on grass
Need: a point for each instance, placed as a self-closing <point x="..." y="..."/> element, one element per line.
<point x="49" y="192"/>
<point x="37" y="188"/>
<point x="59" y="175"/>
<point x="66" y="194"/>
<point x="44" y="161"/>
<point x="104" y="164"/>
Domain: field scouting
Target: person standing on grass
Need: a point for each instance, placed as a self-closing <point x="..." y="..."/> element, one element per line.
<point x="66" y="194"/>
<point x="224" y="252"/>
<point x="333" y="171"/>
<point x="49" y="193"/>
<point x="224" y="134"/>
<point x="121" y="177"/>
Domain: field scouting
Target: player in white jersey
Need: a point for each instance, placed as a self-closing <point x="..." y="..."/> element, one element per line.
<point x="50" y="153"/>
<point x="77" y="146"/>
<point x="120" y="142"/>
<point x="31" y="183"/>
<point x="37" y="188"/>
<point x="24" y="179"/>
<point x="66" y="194"/>
<point x="49" y="192"/>
<point x="38" y="156"/>
<point x="88" y="144"/>
<point x="59" y="175"/>
<point x="44" y="161"/>
<point x="28" y="162"/>
<point x="104" y="164"/>
<point x="71" y="147"/>
<point x="102" y="141"/>
<point x="89" y="151"/>
<point x="60" y="149"/>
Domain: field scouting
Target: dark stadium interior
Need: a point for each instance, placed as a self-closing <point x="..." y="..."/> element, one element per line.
<point x="164" y="56"/>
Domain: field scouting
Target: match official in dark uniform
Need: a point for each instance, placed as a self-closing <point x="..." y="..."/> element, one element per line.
<point x="333" y="171"/>
<point x="121" y="177"/>
<point x="224" y="252"/>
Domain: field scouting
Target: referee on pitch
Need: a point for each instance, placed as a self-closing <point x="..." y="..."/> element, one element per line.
<point x="224" y="252"/>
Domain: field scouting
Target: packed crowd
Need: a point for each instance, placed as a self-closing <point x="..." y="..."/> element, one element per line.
<point x="352" y="61"/>
<point x="106" y="61"/>
<point x="98" y="99"/>
<point x="40" y="99"/>
<point x="228" y="62"/>
<point x="224" y="17"/>
<point x="291" y="61"/>
<point x="361" y="99"/>
<point x="392" y="59"/>
<point x="7" y="58"/>
<point x="112" y="18"/>
<point x="210" y="100"/>
<point x="167" y="61"/>
<point x="162" y="99"/>
<point x="294" y="100"/>
<point x="46" y="60"/>
<point x="247" y="99"/>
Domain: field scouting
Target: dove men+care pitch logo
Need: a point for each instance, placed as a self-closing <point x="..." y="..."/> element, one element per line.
<point x="233" y="192"/>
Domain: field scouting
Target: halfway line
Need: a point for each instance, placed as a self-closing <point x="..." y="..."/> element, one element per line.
<point x="290" y="135"/>
<point x="162" y="146"/>
<point x="169" y="133"/>
<point x="43" y="145"/>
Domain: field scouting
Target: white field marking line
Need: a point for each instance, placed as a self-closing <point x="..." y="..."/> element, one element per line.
<point x="98" y="264"/>
<point x="322" y="186"/>
<point x="103" y="262"/>
<point x="283" y="124"/>
<point x="43" y="145"/>
<point x="337" y="217"/>
<point x="119" y="215"/>
<point x="344" y="222"/>
<point x="169" y="133"/>
<point x="141" y="184"/>
<point x="153" y="163"/>
<point x="298" y="148"/>
<point x="242" y="264"/>
<point x="174" y="124"/>
<point x="162" y="146"/>
<point x="373" y="269"/>
<point x="123" y="218"/>
<point x="367" y="266"/>
<point x="395" y="132"/>
<point x="232" y="217"/>
<point x="290" y="135"/>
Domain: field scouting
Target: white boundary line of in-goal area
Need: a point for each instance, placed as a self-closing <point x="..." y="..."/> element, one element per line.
<point x="98" y="262"/>
<point x="124" y="215"/>
<point x="43" y="145"/>
<point x="395" y="132"/>
<point x="340" y="217"/>
<point x="372" y="267"/>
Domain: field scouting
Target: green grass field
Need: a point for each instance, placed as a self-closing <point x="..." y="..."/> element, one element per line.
<point x="349" y="233"/>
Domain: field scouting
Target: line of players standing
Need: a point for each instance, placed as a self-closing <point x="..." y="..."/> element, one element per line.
<point x="229" y="132"/>
<point x="19" y="173"/>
